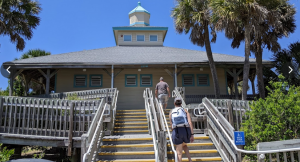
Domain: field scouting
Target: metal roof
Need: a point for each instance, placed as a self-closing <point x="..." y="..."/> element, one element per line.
<point x="139" y="8"/>
<point x="133" y="55"/>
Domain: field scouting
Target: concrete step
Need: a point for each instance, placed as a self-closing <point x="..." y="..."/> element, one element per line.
<point x="203" y="159"/>
<point x="128" y="147"/>
<point x="126" y="155"/>
<point x="197" y="153"/>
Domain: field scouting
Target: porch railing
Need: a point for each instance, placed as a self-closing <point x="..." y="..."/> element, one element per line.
<point x="198" y="98"/>
<point x="45" y="117"/>
<point x="83" y="95"/>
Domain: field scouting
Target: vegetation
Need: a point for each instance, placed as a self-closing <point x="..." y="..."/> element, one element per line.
<point x="276" y="118"/>
<point x="18" y="18"/>
<point x="5" y="154"/>
<point x="289" y="58"/>
<point x="194" y="16"/>
<point x="4" y="92"/>
<point x="258" y="23"/>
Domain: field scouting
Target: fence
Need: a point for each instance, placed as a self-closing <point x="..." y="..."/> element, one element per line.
<point x="45" y="117"/>
<point x="83" y="95"/>
<point x="198" y="98"/>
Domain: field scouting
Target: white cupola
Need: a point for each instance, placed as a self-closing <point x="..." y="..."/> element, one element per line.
<point x="139" y="16"/>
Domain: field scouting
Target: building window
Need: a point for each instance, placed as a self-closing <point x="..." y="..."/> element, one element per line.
<point x="95" y="80"/>
<point x="146" y="80"/>
<point x="203" y="80"/>
<point x="130" y="80"/>
<point x="80" y="81"/>
<point x="188" y="80"/>
<point x="127" y="38"/>
<point x="140" y="38"/>
<point x="153" y="38"/>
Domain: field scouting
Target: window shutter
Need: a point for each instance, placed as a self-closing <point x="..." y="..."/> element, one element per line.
<point x="146" y="80"/>
<point x="96" y="81"/>
<point x="130" y="80"/>
<point x="188" y="80"/>
<point x="80" y="81"/>
<point x="203" y="80"/>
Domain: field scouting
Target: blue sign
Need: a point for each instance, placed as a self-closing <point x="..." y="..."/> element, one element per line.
<point x="239" y="138"/>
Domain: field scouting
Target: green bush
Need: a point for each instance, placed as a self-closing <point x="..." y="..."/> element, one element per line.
<point x="5" y="154"/>
<point x="275" y="118"/>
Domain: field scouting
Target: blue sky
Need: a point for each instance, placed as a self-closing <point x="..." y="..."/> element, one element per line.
<point x="73" y="25"/>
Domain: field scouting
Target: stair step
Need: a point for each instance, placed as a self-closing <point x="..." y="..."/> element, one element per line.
<point x="197" y="151"/>
<point x="122" y="120"/>
<point x="196" y="144"/>
<point x="198" y="137"/>
<point x="130" y="116"/>
<point x="131" y="110"/>
<point x="127" y="127"/>
<point x="131" y="131"/>
<point x="127" y="139"/>
<point x="122" y="146"/>
<point x="199" y="159"/>
<point x="131" y="123"/>
<point x="138" y="113"/>
<point x="129" y="160"/>
<point x="127" y="153"/>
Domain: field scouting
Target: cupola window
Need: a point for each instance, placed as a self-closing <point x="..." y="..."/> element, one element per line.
<point x="153" y="38"/>
<point x="127" y="38"/>
<point x="140" y="38"/>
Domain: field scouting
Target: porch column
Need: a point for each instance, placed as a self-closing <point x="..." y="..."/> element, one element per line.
<point x="235" y="84"/>
<point x="175" y="75"/>
<point x="11" y="82"/>
<point x="112" y="76"/>
<point x="47" y="81"/>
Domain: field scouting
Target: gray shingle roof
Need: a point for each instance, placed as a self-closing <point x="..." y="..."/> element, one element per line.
<point x="122" y="55"/>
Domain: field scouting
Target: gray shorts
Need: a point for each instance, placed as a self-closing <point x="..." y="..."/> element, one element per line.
<point x="163" y="98"/>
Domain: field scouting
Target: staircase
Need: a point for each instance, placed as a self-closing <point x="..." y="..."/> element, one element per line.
<point x="131" y="142"/>
<point x="202" y="149"/>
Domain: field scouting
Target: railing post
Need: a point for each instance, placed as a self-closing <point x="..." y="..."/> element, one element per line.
<point x="1" y="109"/>
<point x="230" y="113"/>
<point x="83" y="145"/>
<point x="162" y="146"/>
<point x="71" y="129"/>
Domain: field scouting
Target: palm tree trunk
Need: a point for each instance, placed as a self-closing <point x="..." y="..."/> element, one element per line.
<point x="259" y="71"/>
<point x="211" y="62"/>
<point x="246" y="63"/>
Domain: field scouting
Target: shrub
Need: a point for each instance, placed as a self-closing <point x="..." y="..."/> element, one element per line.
<point x="5" y="154"/>
<point x="275" y="118"/>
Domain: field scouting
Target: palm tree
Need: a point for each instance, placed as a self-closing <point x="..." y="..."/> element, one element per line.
<point x="194" y="16"/>
<point x="17" y="20"/>
<point x="239" y="19"/>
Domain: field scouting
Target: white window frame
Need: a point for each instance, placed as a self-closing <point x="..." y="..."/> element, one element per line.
<point x="156" y="38"/>
<point x="130" y="37"/>
<point x="137" y="36"/>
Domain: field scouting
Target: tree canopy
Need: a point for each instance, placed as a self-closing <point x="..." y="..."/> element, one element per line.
<point x="18" y="18"/>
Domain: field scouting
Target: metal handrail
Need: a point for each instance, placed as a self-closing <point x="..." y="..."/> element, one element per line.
<point x="261" y="153"/>
<point x="175" y="93"/>
<point x="166" y="125"/>
<point x="148" y="96"/>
